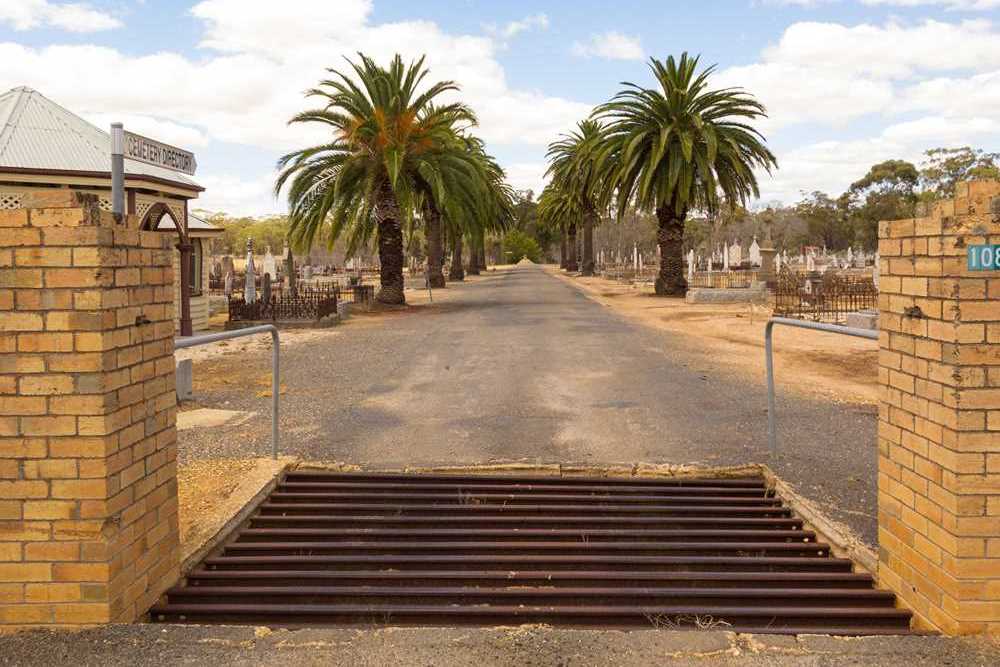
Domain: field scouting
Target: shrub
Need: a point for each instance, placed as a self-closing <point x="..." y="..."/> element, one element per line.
<point x="517" y="245"/>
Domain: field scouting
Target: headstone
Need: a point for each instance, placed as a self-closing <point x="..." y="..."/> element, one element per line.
<point x="725" y="257"/>
<point x="690" y="276"/>
<point x="228" y="289"/>
<point x="735" y="254"/>
<point x="265" y="288"/>
<point x="269" y="266"/>
<point x="250" y="290"/>
<point x="810" y="262"/>
<point x="227" y="265"/>
<point x="307" y="272"/>
<point x="850" y="255"/>
<point x="293" y="287"/>
<point x="755" y="252"/>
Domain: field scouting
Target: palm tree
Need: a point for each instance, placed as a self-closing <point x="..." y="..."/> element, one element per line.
<point x="573" y="168"/>
<point x="676" y="147"/>
<point x="389" y="140"/>
<point x="560" y="209"/>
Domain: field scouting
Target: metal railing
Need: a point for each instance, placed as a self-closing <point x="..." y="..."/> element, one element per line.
<point x="769" y="352"/>
<point x="204" y="339"/>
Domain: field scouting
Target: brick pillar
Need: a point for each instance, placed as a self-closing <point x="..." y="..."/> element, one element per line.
<point x="88" y="483"/>
<point x="939" y="415"/>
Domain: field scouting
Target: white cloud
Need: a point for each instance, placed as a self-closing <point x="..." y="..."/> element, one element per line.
<point x="70" y="16"/>
<point x="612" y="45"/>
<point x="833" y="74"/>
<point x="514" y="28"/>
<point x="527" y="176"/>
<point x="959" y="5"/>
<point x="832" y="165"/>
<point x="235" y="195"/>
<point x="258" y="59"/>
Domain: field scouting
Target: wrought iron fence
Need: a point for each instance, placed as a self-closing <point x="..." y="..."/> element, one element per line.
<point x="724" y="279"/>
<point x="308" y="304"/>
<point x="828" y="297"/>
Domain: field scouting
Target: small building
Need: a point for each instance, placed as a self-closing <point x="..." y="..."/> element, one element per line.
<point x="45" y="146"/>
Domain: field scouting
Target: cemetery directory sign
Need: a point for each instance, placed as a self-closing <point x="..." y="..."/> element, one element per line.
<point x="984" y="257"/>
<point x="150" y="151"/>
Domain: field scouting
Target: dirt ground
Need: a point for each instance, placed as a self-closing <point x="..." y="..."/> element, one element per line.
<point x="813" y="363"/>
<point x="211" y="492"/>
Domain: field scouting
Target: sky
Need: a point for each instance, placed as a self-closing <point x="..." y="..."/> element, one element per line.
<point x="847" y="83"/>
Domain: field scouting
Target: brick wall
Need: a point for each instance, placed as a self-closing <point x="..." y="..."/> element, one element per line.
<point x="88" y="492"/>
<point x="939" y="415"/>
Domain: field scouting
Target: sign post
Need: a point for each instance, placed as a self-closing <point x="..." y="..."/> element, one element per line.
<point x="118" y="171"/>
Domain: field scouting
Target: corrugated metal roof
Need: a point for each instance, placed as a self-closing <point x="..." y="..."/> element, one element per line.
<point x="37" y="133"/>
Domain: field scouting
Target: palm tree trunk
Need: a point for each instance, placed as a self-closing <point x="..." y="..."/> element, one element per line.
<point x="390" y="248"/>
<point x="571" y="263"/>
<point x="435" y="247"/>
<point x="482" y="254"/>
<point x="562" y="251"/>
<point x="670" y="237"/>
<point x="474" y="255"/>
<point x="589" y="220"/>
<point x="456" y="272"/>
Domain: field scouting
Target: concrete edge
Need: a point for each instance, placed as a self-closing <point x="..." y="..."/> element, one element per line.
<point x="842" y="540"/>
<point x="255" y="492"/>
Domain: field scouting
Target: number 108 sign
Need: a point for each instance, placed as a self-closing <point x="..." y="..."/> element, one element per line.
<point x="984" y="258"/>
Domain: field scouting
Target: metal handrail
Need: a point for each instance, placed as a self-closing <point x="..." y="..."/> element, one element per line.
<point x="769" y="353"/>
<point x="204" y="339"/>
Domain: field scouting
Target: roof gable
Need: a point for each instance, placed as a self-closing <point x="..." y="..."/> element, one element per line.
<point x="38" y="134"/>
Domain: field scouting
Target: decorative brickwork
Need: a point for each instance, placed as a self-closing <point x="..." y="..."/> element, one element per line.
<point x="939" y="414"/>
<point x="88" y="490"/>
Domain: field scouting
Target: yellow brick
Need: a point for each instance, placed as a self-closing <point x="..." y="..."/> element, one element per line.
<point x="45" y="385"/>
<point x="83" y="488"/>
<point x="49" y="509"/>
<point x="23" y="405"/>
<point x="25" y="614"/>
<point x="52" y="551"/>
<point x="20" y="237"/>
<point x="82" y="572"/>
<point x="12" y="218"/>
<point x="60" y="425"/>
<point x="11" y="572"/>
<point x="52" y="593"/>
<point x="45" y="342"/>
<point x="43" y="256"/>
<point x="84" y="614"/>
<point x="15" y="321"/>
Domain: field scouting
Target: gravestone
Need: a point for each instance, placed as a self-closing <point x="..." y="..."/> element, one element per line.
<point x="250" y="290"/>
<point x="735" y="254"/>
<point x="293" y="283"/>
<point x="265" y="288"/>
<point x="754" y="253"/>
<point x="269" y="266"/>
<point x="690" y="275"/>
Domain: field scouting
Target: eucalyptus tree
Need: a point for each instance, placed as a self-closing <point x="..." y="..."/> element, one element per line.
<point x="677" y="146"/>
<point x="573" y="169"/>
<point x="388" y="139"/>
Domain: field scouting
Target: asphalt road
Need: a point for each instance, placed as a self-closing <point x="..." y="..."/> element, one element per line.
<point x="522" y="366"/>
